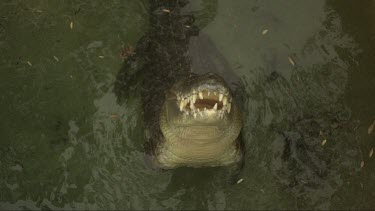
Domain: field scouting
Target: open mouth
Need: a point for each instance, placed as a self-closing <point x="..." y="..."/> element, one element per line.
<point x="205" y="102"/>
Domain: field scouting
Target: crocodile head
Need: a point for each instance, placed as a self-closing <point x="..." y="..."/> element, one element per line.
<point x="200" y="123"/>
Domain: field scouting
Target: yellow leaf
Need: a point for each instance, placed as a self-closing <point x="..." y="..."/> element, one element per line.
<point x="71" y="25"/>
<point x="264" y="31"/>
<point x="102" y="57"/>
<point x="324" y="142"/>
<point x="239" y="181"/>
<point x="371" y="128"/>
<point x="371" y="152"/>
<point x="291" y="61"/>
<point x="57" y="59"/>
<point x="29" y="63"/>
<point x="166" y="10"/>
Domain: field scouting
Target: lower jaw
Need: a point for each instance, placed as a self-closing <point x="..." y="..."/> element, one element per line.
<point x="175" y="150"/>
<point x="205" y="158"/>
<point x="197" y="132"/>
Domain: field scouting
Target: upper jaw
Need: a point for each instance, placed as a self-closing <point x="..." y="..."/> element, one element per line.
<point x="205" y="101"/>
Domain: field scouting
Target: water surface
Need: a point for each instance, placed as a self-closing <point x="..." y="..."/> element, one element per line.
<point x="307" y="74"/>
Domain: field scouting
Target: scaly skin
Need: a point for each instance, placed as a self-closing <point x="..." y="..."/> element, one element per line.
<point x="200" y="125"/>
<point x="210" y="146"/>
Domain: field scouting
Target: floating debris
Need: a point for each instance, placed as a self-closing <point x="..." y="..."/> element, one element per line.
<point x="264" y="31"/>
<point x="239" y="181"/>
<point x="324" y="142"/>
<point x="166" y="10"/>
<point x="40" y="11"/>
<point x="291" y="61"/>
<point x="371" y="128"/>
<point x="29" y="63"/>
<point x="127" y="51"/>
<point x="71" y="25"/>
<point x="57" y="59"/>
<point x="362" y="164"/>
<point x="114" y="116"/>
<point x="371" y="152"/>
<point x="102" y="57"/>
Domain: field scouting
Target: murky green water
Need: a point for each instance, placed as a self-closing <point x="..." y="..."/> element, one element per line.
<point x="67" y="144"/>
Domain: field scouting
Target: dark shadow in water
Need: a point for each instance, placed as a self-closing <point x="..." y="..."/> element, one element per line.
<point x="358" y="20"/>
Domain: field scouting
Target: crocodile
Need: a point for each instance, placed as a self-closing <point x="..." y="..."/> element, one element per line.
<point x="192" y="120"/>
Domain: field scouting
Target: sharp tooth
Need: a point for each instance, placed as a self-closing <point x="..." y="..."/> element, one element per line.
<point x="201" y="95"/>
<point x="208" y="93"/>
<point x="195" y="115"/>
<point x="228" y="109"/>
<point x="225" y="100"/>
<point x="194" y="98"/>
<point x="221" y="97"/>
<point x="215" y="107"/>
<point x="182" y="104"/>
<point x="192" y="107"/>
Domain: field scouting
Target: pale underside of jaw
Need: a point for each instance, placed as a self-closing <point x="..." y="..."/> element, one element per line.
<point x="204" y="104"/>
